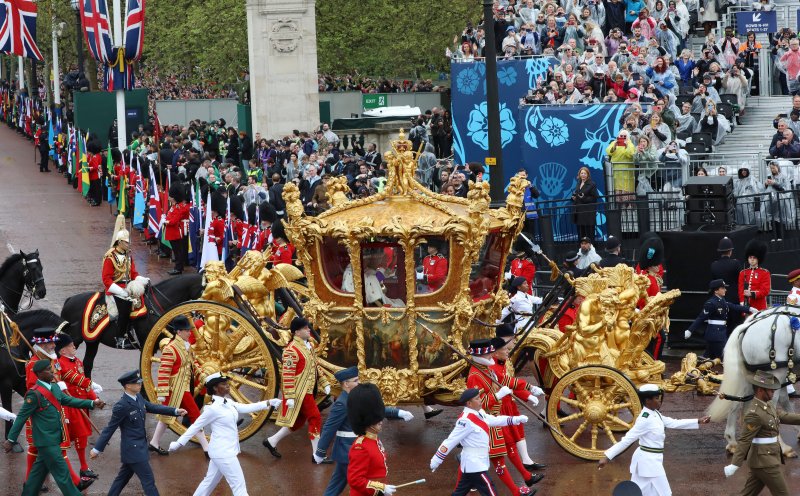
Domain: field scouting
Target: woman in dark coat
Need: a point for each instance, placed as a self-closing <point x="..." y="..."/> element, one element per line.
<point x="585" y="200"/>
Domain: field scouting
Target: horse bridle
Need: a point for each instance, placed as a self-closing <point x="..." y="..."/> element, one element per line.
<point x="791" y="377"/>
<point x="29" y="287"/>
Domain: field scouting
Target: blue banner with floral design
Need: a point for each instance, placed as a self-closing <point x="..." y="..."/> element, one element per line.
<point x="560" y="139"/>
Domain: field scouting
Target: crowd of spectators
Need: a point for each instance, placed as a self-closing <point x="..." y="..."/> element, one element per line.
<point x="364" y="84"/>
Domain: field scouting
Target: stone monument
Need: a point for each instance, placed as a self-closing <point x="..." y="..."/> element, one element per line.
<point x="282" y="43"/>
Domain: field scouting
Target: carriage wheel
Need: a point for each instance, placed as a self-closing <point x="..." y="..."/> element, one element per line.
<point x="595" y="399"/>
<point x="225" y="341"/>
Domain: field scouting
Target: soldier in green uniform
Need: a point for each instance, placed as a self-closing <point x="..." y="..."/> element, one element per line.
<point x="43" y="406"/>
<point x="758" y="442"/>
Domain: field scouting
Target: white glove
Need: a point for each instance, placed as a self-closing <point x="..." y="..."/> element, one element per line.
<point x="503" y="392"/>
<point x="405" y="415"/>
<point x="174" y="446"/>
<point x="97" y="388"/>
<point x="435" y="462"/>
<point x="163" y="218"/>
<point x="687" y="334"/>
<point x="790" y="389"/>
<point x="508" y="275"/>
<point x="290" y="403"/>
<point x="117" y="290"/>
<point x="536" y="390"/>
<point x="753" y="310"/>
<point x="317" y="459"/>
<point x="161" y="399"/>
<point x="533" y="400"/>
<point x="62" y="385"/>
<point x="274" y="402"/>
<point x="519" y="419"/>
<point x="327" y="389"/>
<point x="730" y="470"/>
<point x="389" y="489"/>
<point x="420" y="276"/>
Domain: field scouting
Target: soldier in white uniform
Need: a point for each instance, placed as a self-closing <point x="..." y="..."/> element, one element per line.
<point x="647" y="463"/>
<point x="521" y="304"/>
<point x="472" y="433"/>
<point x="221" y="415"/>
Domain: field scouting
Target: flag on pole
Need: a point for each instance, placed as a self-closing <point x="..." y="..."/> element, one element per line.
<point x="97" y="29"/>
<point x="18" y="28"/>
<point x="209" y="249"/>
<point x="153" y="214"/>
<point x="123" y="198"/>
<point x="138" y="198"/>
<point x="84" y="164"/>
<point x="227" y="238"/>
<point x="195" y="223"/>
<point x="134" y="30"/>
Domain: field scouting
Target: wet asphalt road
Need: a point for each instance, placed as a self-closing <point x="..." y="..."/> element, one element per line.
<point x="42" y="211"/>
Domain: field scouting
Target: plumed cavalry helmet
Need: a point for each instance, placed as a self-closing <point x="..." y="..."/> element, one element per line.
<point x="365" y="407"/>
<point x="120" y="231"/>
<point x="122" y="235"/>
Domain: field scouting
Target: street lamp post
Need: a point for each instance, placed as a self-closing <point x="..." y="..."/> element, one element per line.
<point x="495" y="158"/>
<point x="76" y="6"/>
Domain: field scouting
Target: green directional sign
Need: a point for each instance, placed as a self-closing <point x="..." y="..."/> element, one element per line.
<point x="374" y="100"/>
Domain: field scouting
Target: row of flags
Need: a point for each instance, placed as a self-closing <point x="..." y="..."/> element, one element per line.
<point x="18" y="36"/>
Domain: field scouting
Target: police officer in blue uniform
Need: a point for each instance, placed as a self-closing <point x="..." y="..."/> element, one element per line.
<point x="715" y="314"/>
<point x="337" y="426"/>
<point x="128" y="414"/>
<point x="727" y="268"/>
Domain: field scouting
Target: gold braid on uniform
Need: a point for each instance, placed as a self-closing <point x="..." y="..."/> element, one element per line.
<point x="121" y="268"/>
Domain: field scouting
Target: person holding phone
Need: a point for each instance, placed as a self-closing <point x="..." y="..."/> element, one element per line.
<point x="620" y="152"/>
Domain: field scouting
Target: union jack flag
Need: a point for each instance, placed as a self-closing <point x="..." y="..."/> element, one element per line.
<point x="153" y="214"/>
<point x="134" y="30"/>
<point x="18" y="28"/>
<point x="96" y="29"/>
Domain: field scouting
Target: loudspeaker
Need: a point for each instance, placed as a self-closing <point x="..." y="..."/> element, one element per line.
<point x="721" y="218"/>
<point x="712" y="203"/>
<point x="708" y="186"/>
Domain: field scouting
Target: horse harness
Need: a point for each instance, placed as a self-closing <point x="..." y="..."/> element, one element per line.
<point x="794" y="326"/>
<point x="28" y="290"/>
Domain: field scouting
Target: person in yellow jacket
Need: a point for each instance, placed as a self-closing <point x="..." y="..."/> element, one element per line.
<point x="620" y="153"/>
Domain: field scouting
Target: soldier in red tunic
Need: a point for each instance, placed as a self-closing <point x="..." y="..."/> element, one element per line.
<point x="94" y="165"/>
<point x="81" y="387"/>
<point x="522" y="265"/>
<point x="175" y="376"/>
<point x="299" y="386"/>
<point x="122" y="284"/>
<point x="367" y="470"/>
<point x="651" y="256"/>
<point x="266" y="217"/>
<point x="514" y="434"/>
<point x="434" y="267"/>
<point x="282" y="250"/>
<point x="44" y="348"/>
<point x="755" y="282"/>
<point x="480" y="377"/>
<point x="176" y="222"/>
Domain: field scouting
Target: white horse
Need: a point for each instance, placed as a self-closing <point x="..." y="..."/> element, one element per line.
<point x="750" y="345"/>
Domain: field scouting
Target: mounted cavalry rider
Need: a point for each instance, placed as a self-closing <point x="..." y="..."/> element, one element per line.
<point x="123" y="284"/>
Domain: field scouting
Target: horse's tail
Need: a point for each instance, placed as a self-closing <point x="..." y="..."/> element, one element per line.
<point x="734" y="380"/>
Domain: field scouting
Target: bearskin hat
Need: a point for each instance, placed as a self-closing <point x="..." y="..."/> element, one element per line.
<point x="219" y="203"/>
<point x="521" y="245"/>
<point x="251" y="213"/>
<point x="651" y="252"/>
<point x="278" y="231"/>
<point x="176" y="192"/>
<point x="756" y="248"/>
<point x="237" y="208"/>
<point x="365" y="407"/>
<point x="266" y="212"/>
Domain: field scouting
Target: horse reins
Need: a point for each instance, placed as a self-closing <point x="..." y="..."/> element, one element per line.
<point x="28" y="288"/>
<point x="791" y="377"/>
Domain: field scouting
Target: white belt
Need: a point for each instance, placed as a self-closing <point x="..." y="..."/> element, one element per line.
<point x="475" y="451"/>
<point x="765" y="440"/>
<point x="717" y="322"/>
<point x="346" y="434"/>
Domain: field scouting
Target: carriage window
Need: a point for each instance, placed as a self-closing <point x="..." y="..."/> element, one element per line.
<point x="383" y="274"/>
<point x="432" y="262"/>
<point x="485" y="275"/>
<point x="336" y="265"/>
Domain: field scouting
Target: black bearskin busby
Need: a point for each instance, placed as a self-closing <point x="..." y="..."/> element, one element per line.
<point x="365" y="407"/>
<point x="266" y="212"/>
<point x="651" y="252"/>
<point x="756" y="248"/>
<point x="278" y="231"/>
<point x="176" y="192"/>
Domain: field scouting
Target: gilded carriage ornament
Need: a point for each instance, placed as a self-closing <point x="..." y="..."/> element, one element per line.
<point x="371" y="278"/>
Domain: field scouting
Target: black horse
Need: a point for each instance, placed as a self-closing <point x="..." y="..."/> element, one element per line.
<point x="13" y="358"/>
<point x="158" y="298"/>
<point x="21" y="275"/>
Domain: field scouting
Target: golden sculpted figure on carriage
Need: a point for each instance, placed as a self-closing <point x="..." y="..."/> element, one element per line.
<point x="392" y="280"/>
